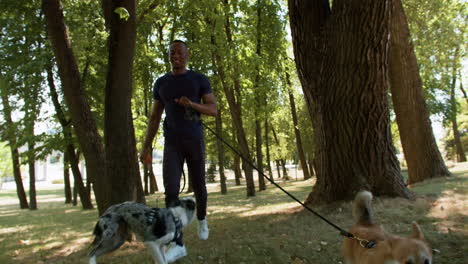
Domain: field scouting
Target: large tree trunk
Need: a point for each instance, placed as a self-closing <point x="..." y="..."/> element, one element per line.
<point x="121" y="155"/>
<point x="342" y="64"/>
<point x="300" y="149"/>
<point x="417" y="138"/>
<point x="11" y="137"/>
<point x="80" y="111"/>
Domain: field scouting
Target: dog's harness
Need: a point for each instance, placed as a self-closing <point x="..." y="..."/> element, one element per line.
<point x="151" y="216"/>
<point x="177" y="222"/>
<point x="178" y="228"/>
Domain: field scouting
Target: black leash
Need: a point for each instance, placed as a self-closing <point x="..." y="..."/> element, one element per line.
<point x="364" y="243"/>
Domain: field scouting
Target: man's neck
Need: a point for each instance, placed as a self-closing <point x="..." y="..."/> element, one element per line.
<point x="178" y="71"/>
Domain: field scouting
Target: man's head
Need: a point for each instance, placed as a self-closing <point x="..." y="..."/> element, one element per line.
<point x="178" y="55"/>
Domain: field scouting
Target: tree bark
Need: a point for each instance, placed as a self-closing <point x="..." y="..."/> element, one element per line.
<point x="417" y="138"/>
<point x="237" y="169"/>
<point x="121" y="155"/>
<point x="297" y="133"/>
<point x="80" y="111"/>
<point x="342" y="65"/>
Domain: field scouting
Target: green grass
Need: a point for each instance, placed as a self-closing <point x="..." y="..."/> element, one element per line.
<point x="269" y="228"/>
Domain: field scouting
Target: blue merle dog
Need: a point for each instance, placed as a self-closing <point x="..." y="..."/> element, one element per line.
<point x="156" y="227"/>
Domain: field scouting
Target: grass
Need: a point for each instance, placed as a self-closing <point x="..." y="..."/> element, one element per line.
<point x="269" y="228"/>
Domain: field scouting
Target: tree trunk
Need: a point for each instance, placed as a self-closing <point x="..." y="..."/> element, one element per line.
<point x="88" y="137"/>
<point x="121" y="155"/>
<point x="152" y="178"/>
<point x="300" y="149"/>
<point x="417" y="138"/>
<point x="78" y="180"/>
<point x="278" y="168"/>
<point x="461" y="87"/>
<point x="285" y="170"/>
<point x="267" y="147"/>
<point x="66" y="178"/>
<point x="259" y="98"/>
<point x="32" y="174"/>
<point x="220" y="146"/>
<point x="10" y="135"/>
<point x="459" y="151"/>
<point x="342" y="65"/>
<point x="237" y="169"/>
<point x="70" y="157"/>
<point x="311" y="165"/>
<point x="235" y="107"/>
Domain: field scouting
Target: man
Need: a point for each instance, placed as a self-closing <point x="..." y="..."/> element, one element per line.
<point x="183" y="95"/>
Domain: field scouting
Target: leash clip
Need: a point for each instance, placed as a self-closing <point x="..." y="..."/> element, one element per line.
<point x="366" y="243"/>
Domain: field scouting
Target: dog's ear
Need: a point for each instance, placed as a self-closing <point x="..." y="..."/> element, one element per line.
<point x="417" y="233"/>
<point x="97" y="230"/>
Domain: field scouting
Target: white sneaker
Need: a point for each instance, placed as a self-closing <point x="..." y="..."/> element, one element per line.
<point x="175" y="252"/>
<point x="203" y="231"/>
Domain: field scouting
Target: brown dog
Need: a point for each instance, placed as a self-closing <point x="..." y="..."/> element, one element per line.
<point x="389" y="249"/>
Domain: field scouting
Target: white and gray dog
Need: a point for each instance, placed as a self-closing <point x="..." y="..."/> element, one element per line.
<point x="156" y="227"/>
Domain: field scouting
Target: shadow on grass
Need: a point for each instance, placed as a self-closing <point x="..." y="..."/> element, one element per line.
<point x="268" y="228"/>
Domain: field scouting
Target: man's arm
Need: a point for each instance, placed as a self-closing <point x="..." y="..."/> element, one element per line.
<point x="208" y="107"/>
<point x="153" y="126"/>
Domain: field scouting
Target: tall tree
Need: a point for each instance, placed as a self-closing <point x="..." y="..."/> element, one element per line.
<point x="297" y="132"/>
<point x="259" y="99"/>
<point x="230" y="93"/>
<point x="346" y="95"/>
<point x="71" y="159"/>
<point x="417" y="138"/>
<point x="80" y="112"/>
<point x="12" y="141"/>
<point x="459" y="151"/>
<point x="121" y="155"/>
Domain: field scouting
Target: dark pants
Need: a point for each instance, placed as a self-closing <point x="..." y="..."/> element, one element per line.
<point x="175" y="154"/>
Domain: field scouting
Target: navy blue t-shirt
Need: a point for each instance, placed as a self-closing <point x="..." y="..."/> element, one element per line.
<point x="167" y="88"/>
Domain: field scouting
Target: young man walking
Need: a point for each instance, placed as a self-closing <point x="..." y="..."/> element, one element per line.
<point x="184" y="95"/>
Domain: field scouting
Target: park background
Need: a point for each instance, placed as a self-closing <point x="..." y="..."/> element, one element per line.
<point x="325" y="98"/>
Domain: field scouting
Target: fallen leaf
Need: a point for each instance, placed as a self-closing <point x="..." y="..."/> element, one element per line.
<point x="297" y="261"/>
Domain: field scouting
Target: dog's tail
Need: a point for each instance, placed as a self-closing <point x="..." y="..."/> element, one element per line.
<point x="362" y="208"/>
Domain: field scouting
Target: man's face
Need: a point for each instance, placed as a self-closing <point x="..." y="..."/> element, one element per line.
<point x="178" y="55"/>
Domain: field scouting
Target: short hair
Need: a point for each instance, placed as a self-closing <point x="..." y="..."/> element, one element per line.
<point x="178" y="41"/>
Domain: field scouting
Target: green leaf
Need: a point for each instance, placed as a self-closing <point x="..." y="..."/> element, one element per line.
<point x="122" y="12"/>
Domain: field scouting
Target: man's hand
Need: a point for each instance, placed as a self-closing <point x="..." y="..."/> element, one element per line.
<point x="184" y="101"/>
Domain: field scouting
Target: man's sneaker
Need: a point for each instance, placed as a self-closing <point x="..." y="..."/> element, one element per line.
<point x="203" y="231"/>
<point x="175" y="252"/>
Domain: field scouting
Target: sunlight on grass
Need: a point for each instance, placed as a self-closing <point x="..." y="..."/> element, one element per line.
<point x="268" y="228"/>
